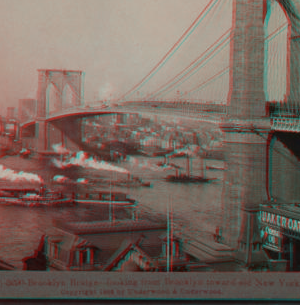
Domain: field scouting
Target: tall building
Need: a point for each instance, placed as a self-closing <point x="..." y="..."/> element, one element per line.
<point x="10" y="113"/>
<point x="27" y="109"/>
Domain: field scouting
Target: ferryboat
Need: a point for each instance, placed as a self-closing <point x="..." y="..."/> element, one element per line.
<point x="33" y="197"/>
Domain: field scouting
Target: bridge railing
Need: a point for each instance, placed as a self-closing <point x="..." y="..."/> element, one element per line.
<point x="282" y="109"/>
<point x="285" y="124"/>
<point x="284" y="116"/>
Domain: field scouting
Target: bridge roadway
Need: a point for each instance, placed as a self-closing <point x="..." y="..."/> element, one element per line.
<point x="198" y="112"/>
<point x="183" y="112"/>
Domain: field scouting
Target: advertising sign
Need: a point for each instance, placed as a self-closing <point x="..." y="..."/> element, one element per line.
<point x="272" y="238"/>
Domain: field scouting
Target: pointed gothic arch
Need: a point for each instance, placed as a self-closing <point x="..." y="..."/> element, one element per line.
<point x="53" y="97"/>
<point x="291" y="9"/>
<point x="276" y="59"/>
<point x="68" y="97"/>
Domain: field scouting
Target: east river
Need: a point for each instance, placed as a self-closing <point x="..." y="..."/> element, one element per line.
<point x="196" y="208"/>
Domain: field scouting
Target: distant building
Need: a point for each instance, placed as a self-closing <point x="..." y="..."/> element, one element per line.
<point x="10" y="113"/>
<point x="27" y="109"/>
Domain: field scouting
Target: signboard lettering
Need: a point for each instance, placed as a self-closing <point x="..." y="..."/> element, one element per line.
<point x="272" y="239"/>
<point x="280" y="221"/>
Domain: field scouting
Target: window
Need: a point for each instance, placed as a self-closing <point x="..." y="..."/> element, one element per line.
<point x="55" y="250"/>
<point x="78" y="258"/>
<point x="84" y="256"/>
<point x="106" y="196"/>
<point x="51" y="249"/>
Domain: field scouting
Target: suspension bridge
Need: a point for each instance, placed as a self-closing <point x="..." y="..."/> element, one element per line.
<point x="241" y="75"/>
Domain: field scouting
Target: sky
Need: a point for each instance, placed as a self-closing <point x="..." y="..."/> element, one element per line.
<point x="115" y="42"/>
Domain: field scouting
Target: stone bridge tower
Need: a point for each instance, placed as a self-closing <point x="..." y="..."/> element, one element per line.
<point x="58" y="90"/>
<point x="247" y="127"/>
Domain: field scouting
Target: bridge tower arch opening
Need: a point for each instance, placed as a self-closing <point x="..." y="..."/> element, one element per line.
<point x="53" y="97"/>
<point x="58" y="91"/>
<point x="291" y="10"/>
<point x="277" y="27"/>
<point x="68" y="97"/>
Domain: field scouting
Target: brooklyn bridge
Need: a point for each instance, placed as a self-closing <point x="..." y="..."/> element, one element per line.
<point x="260" y="135"/>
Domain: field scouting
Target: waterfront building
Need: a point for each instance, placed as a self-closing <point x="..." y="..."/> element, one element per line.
<point x="117" y="246"/>
<point x="279" y="225"/>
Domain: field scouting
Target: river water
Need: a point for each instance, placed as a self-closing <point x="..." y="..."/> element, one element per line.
<point x="196" y="208"/>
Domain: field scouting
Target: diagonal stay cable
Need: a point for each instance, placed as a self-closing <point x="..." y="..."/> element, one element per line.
<point x="193" y="65"/>
<point x="173" y="49"/>
<point x="206" y="61"/>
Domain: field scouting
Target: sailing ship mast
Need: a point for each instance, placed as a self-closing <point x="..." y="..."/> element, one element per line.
<point x="188" y="165"/>
<point x="169" y="237"/>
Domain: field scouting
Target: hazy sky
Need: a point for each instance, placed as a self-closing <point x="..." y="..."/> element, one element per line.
<point x="115" y="42"/>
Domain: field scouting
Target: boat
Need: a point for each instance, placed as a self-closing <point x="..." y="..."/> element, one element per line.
<point x="213" y="167"/>
<point x="134" y="182"/>
<point x="187" y="178"/>
<point x="130" y="182"/>
<point x="33" y="197"/>
<point x="104" y="198"/>
<point x="154" y="152"/>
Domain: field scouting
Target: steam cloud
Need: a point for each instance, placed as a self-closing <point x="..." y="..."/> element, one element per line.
<point x="59" y="148"/>
<point x="82" y="180"/>
<point x="60" y="179"/>
<point x="11" y="175"/>
<point x="81" y="159"/>
<point x="64" y="179"/>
